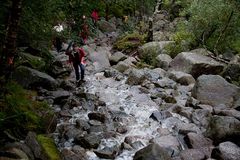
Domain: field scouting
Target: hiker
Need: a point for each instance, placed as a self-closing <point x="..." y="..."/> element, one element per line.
<point x="84" y="30"/>
<point x="76" y="57"/>
<point x="95" y="17"/>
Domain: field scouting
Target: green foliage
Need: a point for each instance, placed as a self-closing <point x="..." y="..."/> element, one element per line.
<point x="183" y="42"/>
<point x="19" y="111"/>
<point x="129" y="42"/>
<point x="214" y="24"/>
<point x="49" y="147"/>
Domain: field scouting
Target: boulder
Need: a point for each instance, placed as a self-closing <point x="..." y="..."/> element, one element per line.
<point x="192" y="154"/>
<point x="196" y="141"/>
<point x="88" y="141"/>
<point x="117" y="57"/>
<point x="122" y="66"/>
<point x="154" y="74"/>
<point x="215" y="90"/>
<point x="31" y="78"/>
<point x="227" y="151"/>
<point x="195" y="64"/>
<point x="153" y="48"/>
<point x="152" y="152"/>
<point x="136" y="77"/>
<point x="181" y="77"/>
<point x="107" y="152"/>
<point x="223" y="128"/>
<point x="163" y="61"/>
<point x="232" y="72"/>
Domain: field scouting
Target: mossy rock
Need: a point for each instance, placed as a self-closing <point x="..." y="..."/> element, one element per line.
<point x="31" y="61"/>
<point x="129" y="42"/>
<point x="49" y="147"/>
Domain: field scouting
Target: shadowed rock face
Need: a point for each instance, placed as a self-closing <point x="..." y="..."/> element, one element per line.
<point x="195" y="64"/>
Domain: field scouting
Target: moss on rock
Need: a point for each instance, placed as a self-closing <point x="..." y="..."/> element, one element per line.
<point x="49" y="148"/>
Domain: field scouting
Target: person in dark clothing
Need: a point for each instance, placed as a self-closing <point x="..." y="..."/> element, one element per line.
<point x="76" y="57"/>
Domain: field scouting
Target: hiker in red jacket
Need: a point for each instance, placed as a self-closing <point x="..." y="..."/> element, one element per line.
<point x="76" y="57"/>
<point x="95" y="17"/>
<point x="84" y="30"/>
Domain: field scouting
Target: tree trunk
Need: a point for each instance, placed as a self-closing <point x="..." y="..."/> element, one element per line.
<point x="9" y="50"/>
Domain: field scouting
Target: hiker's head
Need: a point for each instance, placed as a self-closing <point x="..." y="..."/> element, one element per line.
<point x="75" y="47"/>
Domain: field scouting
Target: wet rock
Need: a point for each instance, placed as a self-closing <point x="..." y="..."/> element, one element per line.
<point x="169" y="143"/>
<point x="185" y="128"/>
<point x="201" y="117"/>
<point x="170" y="99"/>
<point x="152" y="152"/>
<point x="31" y="78"/>
<point x="223" y="128"/>
<point x="181" y="77"/>
<point x="97" y="129"/>
<point x="126" y="146"/>
<point x="197" y="141"/>
<point x="107" y="152"/>
<point x="117" y="57"/>
<point x="192" y="102"/>
<point x="137" y="145"/>
<point x="192" y="154"/>
<point x="70" y="155"/>
<point x="195" y="64"/>
<point x="136" y="77"/>
<point x="163" y="61"/>
<point x="209" y="88"/>
<point x="72" y="132"/>
<point x="165" y="83"/>
<point x="95" y="123"/>
<point x="88" y="141"/>
<point x="97" y="116"/>
<point x="159" y="116"/>
<point x="82" y="124"/>
<point x="122" y="129"/>
<point x="32" y="143"/>
<point x="60" y="95"/>
<point x="154" y="74"/>
<point x="66" y="85"/>
<point x="111" y="72"/>
<point x="163" y="131"/>
<point x="227" y="151"/>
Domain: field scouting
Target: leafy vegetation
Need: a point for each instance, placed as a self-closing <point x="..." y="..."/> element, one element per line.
<point x="214" y="25"/>
<point x="19" y="111"/>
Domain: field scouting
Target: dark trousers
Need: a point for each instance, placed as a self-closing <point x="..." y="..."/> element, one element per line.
<point x="76" y="68"/>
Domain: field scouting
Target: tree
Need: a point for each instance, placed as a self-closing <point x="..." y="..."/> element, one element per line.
<point x="9" y="49"/>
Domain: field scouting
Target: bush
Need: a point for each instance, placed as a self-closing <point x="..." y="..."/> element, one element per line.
<point x="19" y="112"/>
<point x="184" y="41"/>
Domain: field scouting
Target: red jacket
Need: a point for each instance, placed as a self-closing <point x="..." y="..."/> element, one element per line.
<point x="76" y="58"/>
<point x="95" y="15"/>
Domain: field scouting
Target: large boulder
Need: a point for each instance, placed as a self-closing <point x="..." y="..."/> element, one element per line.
<point x="31" y="78"/>
<point x="163" y="61"/>
<point x="153" y="48"/>
<point x="195" y="64"/>
<point x="223" y="128"/>
<point x="181" y="77"/>
<point x="227" y="151"/>
<point x="215" y="90"/>
<point x="117" y="57"/>
<point x="100" y="59"/>
<point x="152" y="152"/>
<point x="122" y="66"/>
<point x="136" y="77"/>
